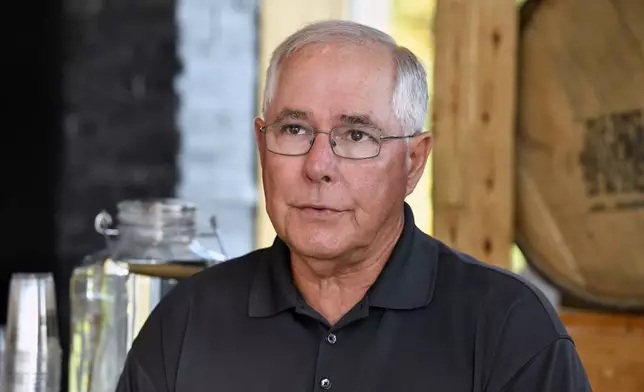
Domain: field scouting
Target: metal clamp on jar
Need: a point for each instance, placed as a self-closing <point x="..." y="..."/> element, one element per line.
<point x="116" y="289"/>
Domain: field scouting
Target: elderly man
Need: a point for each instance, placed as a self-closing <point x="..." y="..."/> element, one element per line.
<point x="351" y="296"/>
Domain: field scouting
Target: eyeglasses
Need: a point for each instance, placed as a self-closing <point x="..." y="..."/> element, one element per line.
<point x="347" y="141"/>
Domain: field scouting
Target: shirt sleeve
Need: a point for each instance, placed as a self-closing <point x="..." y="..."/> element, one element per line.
<point x="529" y="350"/>
<point x="555" y="368"/>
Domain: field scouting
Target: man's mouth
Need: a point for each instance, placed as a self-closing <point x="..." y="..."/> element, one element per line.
<point x="318" y="209"/>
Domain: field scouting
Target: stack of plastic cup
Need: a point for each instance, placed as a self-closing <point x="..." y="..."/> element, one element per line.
<point x="32" y="353"/>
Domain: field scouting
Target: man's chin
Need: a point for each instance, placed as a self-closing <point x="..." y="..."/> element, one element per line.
<point x="318" y="248"/>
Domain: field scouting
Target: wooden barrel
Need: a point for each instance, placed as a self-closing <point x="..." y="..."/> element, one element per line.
<point x="580" y="147"/>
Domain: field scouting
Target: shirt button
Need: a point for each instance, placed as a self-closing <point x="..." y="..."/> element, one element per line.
<point x="325" y="383"/>
<point x="331" y="338"/>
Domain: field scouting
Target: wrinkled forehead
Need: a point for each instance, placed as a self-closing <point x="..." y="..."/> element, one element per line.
<point x="328" y="80"/>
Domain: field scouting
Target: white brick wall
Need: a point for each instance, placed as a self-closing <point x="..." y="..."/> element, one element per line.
<point x="217" y="90"/>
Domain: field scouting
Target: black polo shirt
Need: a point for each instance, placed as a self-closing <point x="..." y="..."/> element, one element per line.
<point x="435" y="320"/>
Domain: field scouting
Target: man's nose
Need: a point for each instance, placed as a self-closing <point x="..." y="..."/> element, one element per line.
<point x="320" y="159"/>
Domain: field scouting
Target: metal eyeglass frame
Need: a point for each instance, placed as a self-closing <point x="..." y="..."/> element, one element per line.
<point x="332" y="141"/>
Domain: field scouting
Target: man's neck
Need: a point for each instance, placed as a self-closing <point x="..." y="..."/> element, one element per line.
<point x="333" y="287"/>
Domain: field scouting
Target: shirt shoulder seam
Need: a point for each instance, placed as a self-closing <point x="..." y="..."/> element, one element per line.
<point x="464" y="258"/>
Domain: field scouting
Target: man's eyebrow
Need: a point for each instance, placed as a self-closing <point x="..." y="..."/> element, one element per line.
<point x="292" y="114"/>
<point x="358" y="119"/>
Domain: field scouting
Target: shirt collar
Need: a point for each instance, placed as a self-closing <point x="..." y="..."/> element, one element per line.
<point x="406" y="282"/>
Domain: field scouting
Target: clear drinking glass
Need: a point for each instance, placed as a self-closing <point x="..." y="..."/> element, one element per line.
<point x="99" y="325"/>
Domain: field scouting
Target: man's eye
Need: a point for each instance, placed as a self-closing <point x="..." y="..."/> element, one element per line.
<point x="293" y="129"/>
<point x="356" y="135"/>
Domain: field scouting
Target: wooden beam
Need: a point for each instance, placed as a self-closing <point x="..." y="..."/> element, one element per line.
<point x="473" y="118"/>
<point x="279" y="19"/>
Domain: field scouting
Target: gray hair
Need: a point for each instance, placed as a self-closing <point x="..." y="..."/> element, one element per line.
<point x="410" y="95"/>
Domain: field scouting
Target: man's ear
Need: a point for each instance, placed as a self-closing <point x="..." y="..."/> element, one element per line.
<point x="418" y="149"/>
<point x="259" y="123"/>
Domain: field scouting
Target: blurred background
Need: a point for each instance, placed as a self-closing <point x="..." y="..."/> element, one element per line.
<point x="536" y="110"/>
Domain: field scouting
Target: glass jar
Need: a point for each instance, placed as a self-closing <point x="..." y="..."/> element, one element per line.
<point x="109" y="305"/>
<point x="155" y="231"/>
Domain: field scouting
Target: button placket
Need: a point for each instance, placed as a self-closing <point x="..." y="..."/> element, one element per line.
<point x="327" y="360"/>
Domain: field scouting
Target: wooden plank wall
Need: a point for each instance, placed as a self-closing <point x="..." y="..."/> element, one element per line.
<point x="611" y="347"/>
<point x="473" y="118"/>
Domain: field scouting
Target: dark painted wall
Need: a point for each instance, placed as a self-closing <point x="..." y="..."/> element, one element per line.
<point x="91" y="121"/>
<point x="30" y="139"/>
